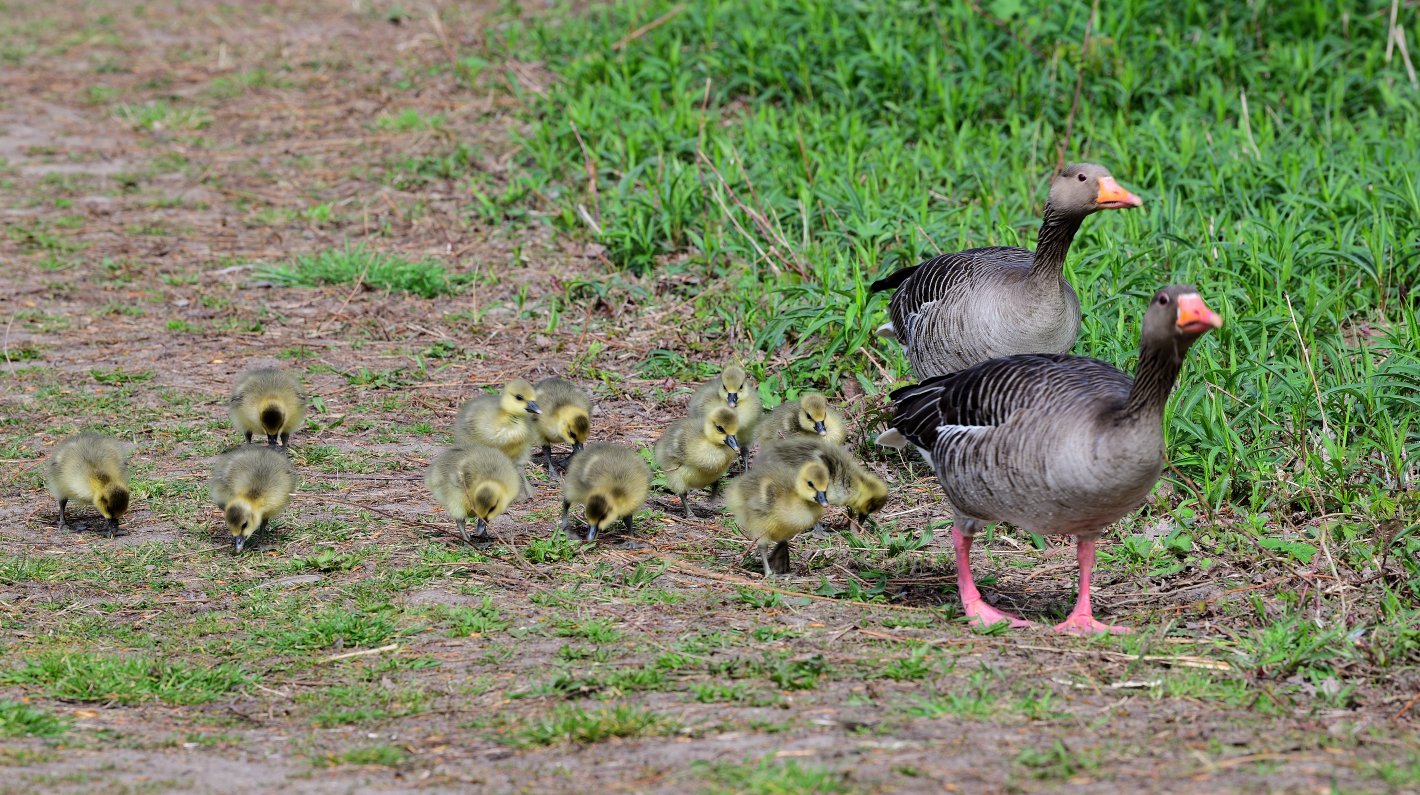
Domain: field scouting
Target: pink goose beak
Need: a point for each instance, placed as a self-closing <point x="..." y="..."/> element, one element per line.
<point x="1114" y="197"/>
<point x="1194" y="316"/>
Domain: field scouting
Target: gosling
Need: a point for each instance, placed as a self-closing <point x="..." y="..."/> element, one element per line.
<point x="810" y="415"/>
<point x="473" y="480"/>
<point x="503" y="422"/>
<point x="611" y="480"/>
<point x="91" y="469"/>
<point x="861" y="492"/>
<point x="696" y="451"/>
<point x="772" y="504"/>
<point x="268" y="401"/>
<point x="252" y="485"/>
<point x="733" y="390"/>
<point x="566" y="418"/>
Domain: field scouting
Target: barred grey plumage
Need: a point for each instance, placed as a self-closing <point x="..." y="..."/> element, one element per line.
<point x="1053" y="444"/>
<point x="957" y="309"/>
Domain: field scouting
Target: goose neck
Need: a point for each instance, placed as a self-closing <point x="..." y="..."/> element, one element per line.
<point x="1154" y="378"/>
<point x="1057" y="232"/>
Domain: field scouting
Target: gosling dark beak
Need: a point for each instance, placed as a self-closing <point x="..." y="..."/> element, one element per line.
<point x="733" y="398"/>
<point x="532" y="407"/>
<point x="481" y="526"/>
<point x="270" y="440"/>
<point x="112" y="527"/>
<point x="591" y="532"/>
<point x="1194" y="316"/>
<point x="238" y="543"/>
<point x="821" y="498"/>
<point x="734" y="445"/>
<point x="819" y="426"/>
<point x="576" y="448"/>
<point x="1114" y="197"/>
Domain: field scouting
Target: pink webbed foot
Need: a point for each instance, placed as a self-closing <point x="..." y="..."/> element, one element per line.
<point x="1085" y="624"/>
<point x="983" y="615"/>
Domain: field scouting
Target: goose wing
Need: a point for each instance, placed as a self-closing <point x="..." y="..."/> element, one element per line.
<point x="991" y="393"/>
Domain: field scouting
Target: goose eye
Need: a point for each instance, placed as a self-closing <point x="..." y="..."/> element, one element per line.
<point x="519" y="397"/>
<point x="719" y="428"/>
<point x="1083" y="178"/>
<point x="1163" y="299"/>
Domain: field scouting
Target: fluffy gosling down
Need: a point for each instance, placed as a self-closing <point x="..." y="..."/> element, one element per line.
<point x="773" y="504"/>
<point x="849" y="484"/>
<point x="566" y="418"/>
<point x="731" y="390"/>
<point x="252" y="485"/>
<point x="696" y="451"/>
<point x="810" y="415"/>
<point x="503" y="421"/>
<point x="268" y="402"/>
<point x="473" y="480"/>
<point x="91" y="469"/>
<point x="611" y="481"/>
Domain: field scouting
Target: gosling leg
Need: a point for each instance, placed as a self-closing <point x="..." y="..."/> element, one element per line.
<point x="63" y="522"/>
<point x="780" y="557"/>
<point x="463" y="529"/>
<point x="248" y="437"/>
<point x="685" y="503"/>
<point x="547" y="457"/>
<point x="821" y="532"/>
<point x="562" y="523"/>
<point x="764" y="558"/>
<point x="286" y="443"/>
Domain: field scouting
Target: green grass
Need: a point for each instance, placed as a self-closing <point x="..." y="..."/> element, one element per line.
<point x="769" y="778"/>
<point x="573" y="724"/>
<point x="794" y="150"/>
<point x="20" y="720"/>
<point x="126" y="680"/>
<point x="377" y="270"/>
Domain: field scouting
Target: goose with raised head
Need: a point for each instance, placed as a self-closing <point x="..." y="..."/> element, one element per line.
<point x="958" y="309"/>
<point x="1054" y="444"/>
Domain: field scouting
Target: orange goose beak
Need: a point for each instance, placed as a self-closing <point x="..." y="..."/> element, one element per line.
<point x="1114" y="197"/>
<point x="1194" y="316"/>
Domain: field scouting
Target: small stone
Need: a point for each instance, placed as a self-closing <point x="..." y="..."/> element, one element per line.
<point x="296" y="579"/>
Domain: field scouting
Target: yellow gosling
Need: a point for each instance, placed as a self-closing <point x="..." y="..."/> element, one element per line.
<point x="473" y="480"/>
<point x="611" y="480"/>
<point x="696" y="451"/>
<point x="252" y="485"/>
<point x="774" y="504"/>
<point x="90" y="469"/>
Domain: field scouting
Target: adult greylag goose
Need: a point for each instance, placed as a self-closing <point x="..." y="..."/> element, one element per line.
<point x="1054" y="444"/>
<point x="958" y="309"/>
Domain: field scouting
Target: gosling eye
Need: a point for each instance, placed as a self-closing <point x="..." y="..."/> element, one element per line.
<point x="519" y="397"/>
<point x="1083" y="178"/>
<point x="244" y="525"/>
<point x="1163" y="299"/>
<point x="719" y="428"/>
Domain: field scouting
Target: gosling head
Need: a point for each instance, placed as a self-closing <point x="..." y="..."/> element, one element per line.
<point x="112" y="503"/>
<point x="488" y="502"/>
<point x="576" y="427"/>
<point x="721" y="425"/>
<point x="273" y="418"/>
<point x="601" y="511"/>
<point x="241" y="523"/>
<point x="872" y="495"/>
<point x="812" y="483"/>
<point x="519" y="398"/>
<point x="1085" y="188"/>
<point x="732" y="382"/>
<point x="813" y="411"/>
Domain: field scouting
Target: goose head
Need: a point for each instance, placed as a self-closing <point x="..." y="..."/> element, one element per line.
<point x="1085" y="188"/>
<point x="721" y="425"/>
<point x="732" y="382"/>
<point x="519" y="398"/>
<point x="812" y="482"/>
<point x="813" y="412"/>
<point x="1176" y="318"/>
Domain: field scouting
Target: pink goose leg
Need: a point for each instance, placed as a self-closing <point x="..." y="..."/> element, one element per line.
<point x="981" y="614"/>
<point x="1082" y="619"/>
